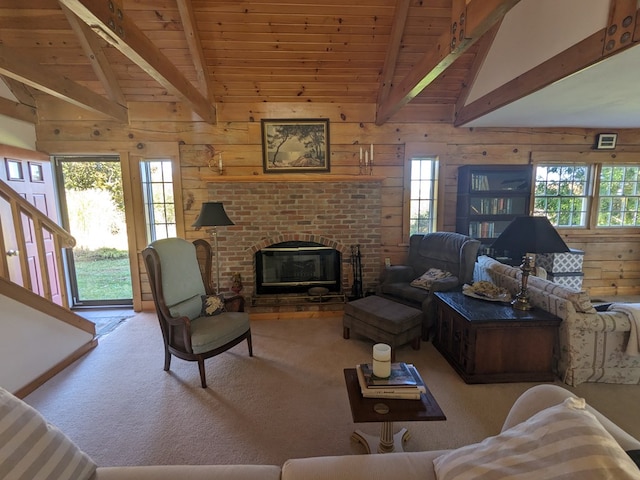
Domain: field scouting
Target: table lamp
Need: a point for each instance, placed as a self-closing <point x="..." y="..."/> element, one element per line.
<point x="212" y="215"/>
<point x="523" y="236"/>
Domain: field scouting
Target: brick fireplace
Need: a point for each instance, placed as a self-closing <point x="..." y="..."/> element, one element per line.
<point x="337" y="214"/>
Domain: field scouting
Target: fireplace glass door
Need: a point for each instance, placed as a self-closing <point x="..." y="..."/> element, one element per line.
<point x="295" y="267"/>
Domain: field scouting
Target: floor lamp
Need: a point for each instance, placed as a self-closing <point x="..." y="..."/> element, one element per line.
<point x="212" y="215"/>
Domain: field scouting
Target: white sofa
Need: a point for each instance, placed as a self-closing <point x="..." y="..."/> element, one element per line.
<point x="538" y="406"/>
<point x="592" y="343"/>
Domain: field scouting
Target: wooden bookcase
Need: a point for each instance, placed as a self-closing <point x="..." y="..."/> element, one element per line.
<point x="489" y="198"/>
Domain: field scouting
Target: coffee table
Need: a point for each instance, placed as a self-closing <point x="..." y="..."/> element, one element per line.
<point x="387" y="411"/>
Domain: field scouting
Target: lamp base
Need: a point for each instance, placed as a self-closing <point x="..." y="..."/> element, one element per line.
<point x="521" y="302"/>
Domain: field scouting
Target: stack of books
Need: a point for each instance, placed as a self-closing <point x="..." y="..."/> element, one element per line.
<point x="404" y="382"/>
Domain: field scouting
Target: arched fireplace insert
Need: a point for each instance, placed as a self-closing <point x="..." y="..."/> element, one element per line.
<point x="295" y="267"/>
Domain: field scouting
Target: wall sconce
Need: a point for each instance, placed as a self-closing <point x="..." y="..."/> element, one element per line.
<point x="606" y="141"/>
<point x="365" y="164"/>
<point x="214" y="165"/>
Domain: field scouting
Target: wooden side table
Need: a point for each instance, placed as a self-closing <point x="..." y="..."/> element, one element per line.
<point x="489" y="342"/>
<point x="387" y="411"/>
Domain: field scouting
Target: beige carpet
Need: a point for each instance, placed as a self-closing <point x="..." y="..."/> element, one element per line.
<point x="289" y="400"/>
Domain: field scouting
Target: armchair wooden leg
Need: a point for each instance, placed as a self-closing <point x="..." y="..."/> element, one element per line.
<point x="203" y="376"/>
<point x="167" y="360"/>
<point x="250" y="345"/>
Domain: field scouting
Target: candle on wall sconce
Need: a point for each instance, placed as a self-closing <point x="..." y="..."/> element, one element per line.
<point x="220" y="163"/>
<point x="365" y="165"/>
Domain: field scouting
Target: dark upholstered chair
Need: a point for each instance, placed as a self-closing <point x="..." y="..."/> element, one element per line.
<point x="180" y="275"/>
<point x="451" y="252"/>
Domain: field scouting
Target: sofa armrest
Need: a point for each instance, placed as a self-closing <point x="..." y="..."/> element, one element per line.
<point x="445" y="284"/>
<point x="398" y="273"/>
<point x="599" y="322"/>
<point x="540" y="397"/>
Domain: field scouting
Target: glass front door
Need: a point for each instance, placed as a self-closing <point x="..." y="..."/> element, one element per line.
<point x="92" y="203"/>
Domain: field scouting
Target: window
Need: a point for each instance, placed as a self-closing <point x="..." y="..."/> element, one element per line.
<point x="619" y="196"/>
<point x="565" y="194"/>
<point x="14" y="170"/>
<point x="562" y="193"/>
<point x="159" y="206"/>
<point x="424" y="185"/>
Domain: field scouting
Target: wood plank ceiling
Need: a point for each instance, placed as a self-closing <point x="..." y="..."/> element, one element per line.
<point x="103" y="54"/>
<point x="205" y="52"/>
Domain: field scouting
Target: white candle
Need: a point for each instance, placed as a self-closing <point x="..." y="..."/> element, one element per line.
<point x="360" y="155"/>
<point x="366" y="158"/>
<point x="372" y="154"/>
<point x="220" y="161"/>
<point x="381" y="360"/>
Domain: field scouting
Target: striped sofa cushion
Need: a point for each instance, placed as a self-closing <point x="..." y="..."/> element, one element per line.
<point x="560" y="442"/>
<point x="32" y="449"/>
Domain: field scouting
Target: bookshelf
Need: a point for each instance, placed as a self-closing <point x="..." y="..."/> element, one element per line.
<point x="489" y="198"/>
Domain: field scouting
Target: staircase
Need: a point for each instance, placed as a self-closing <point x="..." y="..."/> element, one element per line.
<point x="41" y="335"/>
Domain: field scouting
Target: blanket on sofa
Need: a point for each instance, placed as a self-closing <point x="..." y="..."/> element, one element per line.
<point x="632" y="310"/>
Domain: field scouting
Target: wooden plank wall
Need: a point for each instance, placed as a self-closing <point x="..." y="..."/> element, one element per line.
<point x="612" y="259"/>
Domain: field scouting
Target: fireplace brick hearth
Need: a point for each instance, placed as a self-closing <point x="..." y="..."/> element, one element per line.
<point x="335" y="214"/>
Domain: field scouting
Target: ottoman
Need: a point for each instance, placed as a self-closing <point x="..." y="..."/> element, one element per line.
<point x="383" y="321"/>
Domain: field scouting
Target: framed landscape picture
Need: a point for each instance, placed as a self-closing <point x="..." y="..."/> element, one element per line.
<point x="295" y="145"/>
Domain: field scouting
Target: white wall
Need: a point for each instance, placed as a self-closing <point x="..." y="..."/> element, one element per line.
<point x="534" y="31"/>
<point x="15" y="132"/>
<point x="32" y="342"/>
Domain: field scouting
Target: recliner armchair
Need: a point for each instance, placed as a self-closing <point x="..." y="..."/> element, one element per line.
<point x="180" y="275"/>
<point x="447" y="251"/>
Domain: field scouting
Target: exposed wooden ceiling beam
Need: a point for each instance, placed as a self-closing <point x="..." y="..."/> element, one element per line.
<point x="18" y="111"/>
<point x="120" y="32"/>
<point x="93" y="50"/>
<point x="479" y="17"/>
<point x="188" y="19"/>
<point x="32" y="74"/>
<point x="393" y="49"/>
<point x="575" y="58"/>
<point x="20" y="91"/>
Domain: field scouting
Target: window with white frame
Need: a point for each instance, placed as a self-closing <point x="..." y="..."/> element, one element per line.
<point x="568" y="193"/>
<point x="562" y="194"/>
<point x="619" y="196"/>
<point x="159" y="206"/>
<point x="423" y="201"/>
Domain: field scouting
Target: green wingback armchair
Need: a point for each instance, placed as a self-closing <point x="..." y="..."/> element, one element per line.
<point x="179" y="274"/>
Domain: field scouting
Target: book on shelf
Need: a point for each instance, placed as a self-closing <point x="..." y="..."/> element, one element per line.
<point x="400" y="377"/>
<point x="411" y="392"/>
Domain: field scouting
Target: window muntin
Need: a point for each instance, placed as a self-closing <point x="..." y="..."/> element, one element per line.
<point x="619" y="196"/>
<point x="424" y="186"/>
<point x="562" y="194"/>
<point x="159" y="205"/>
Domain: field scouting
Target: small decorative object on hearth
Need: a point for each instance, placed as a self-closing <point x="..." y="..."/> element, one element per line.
<point x="521" y="302"/>
<point x="381" y="360"/>
<point x="236" y="282"/>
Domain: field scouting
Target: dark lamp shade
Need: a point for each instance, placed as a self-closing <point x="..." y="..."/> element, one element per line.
<point x="530" y="235"/>
<point x="212" y="214"/>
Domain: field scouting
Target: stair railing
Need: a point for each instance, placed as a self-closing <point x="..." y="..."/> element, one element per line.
<point x="24" y="217"/>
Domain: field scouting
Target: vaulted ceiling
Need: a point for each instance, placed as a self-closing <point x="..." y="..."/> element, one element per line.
<point x="423" y="55"/>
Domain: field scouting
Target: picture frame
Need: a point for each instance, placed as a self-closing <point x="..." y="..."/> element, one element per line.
<point x="295" y="145"/>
